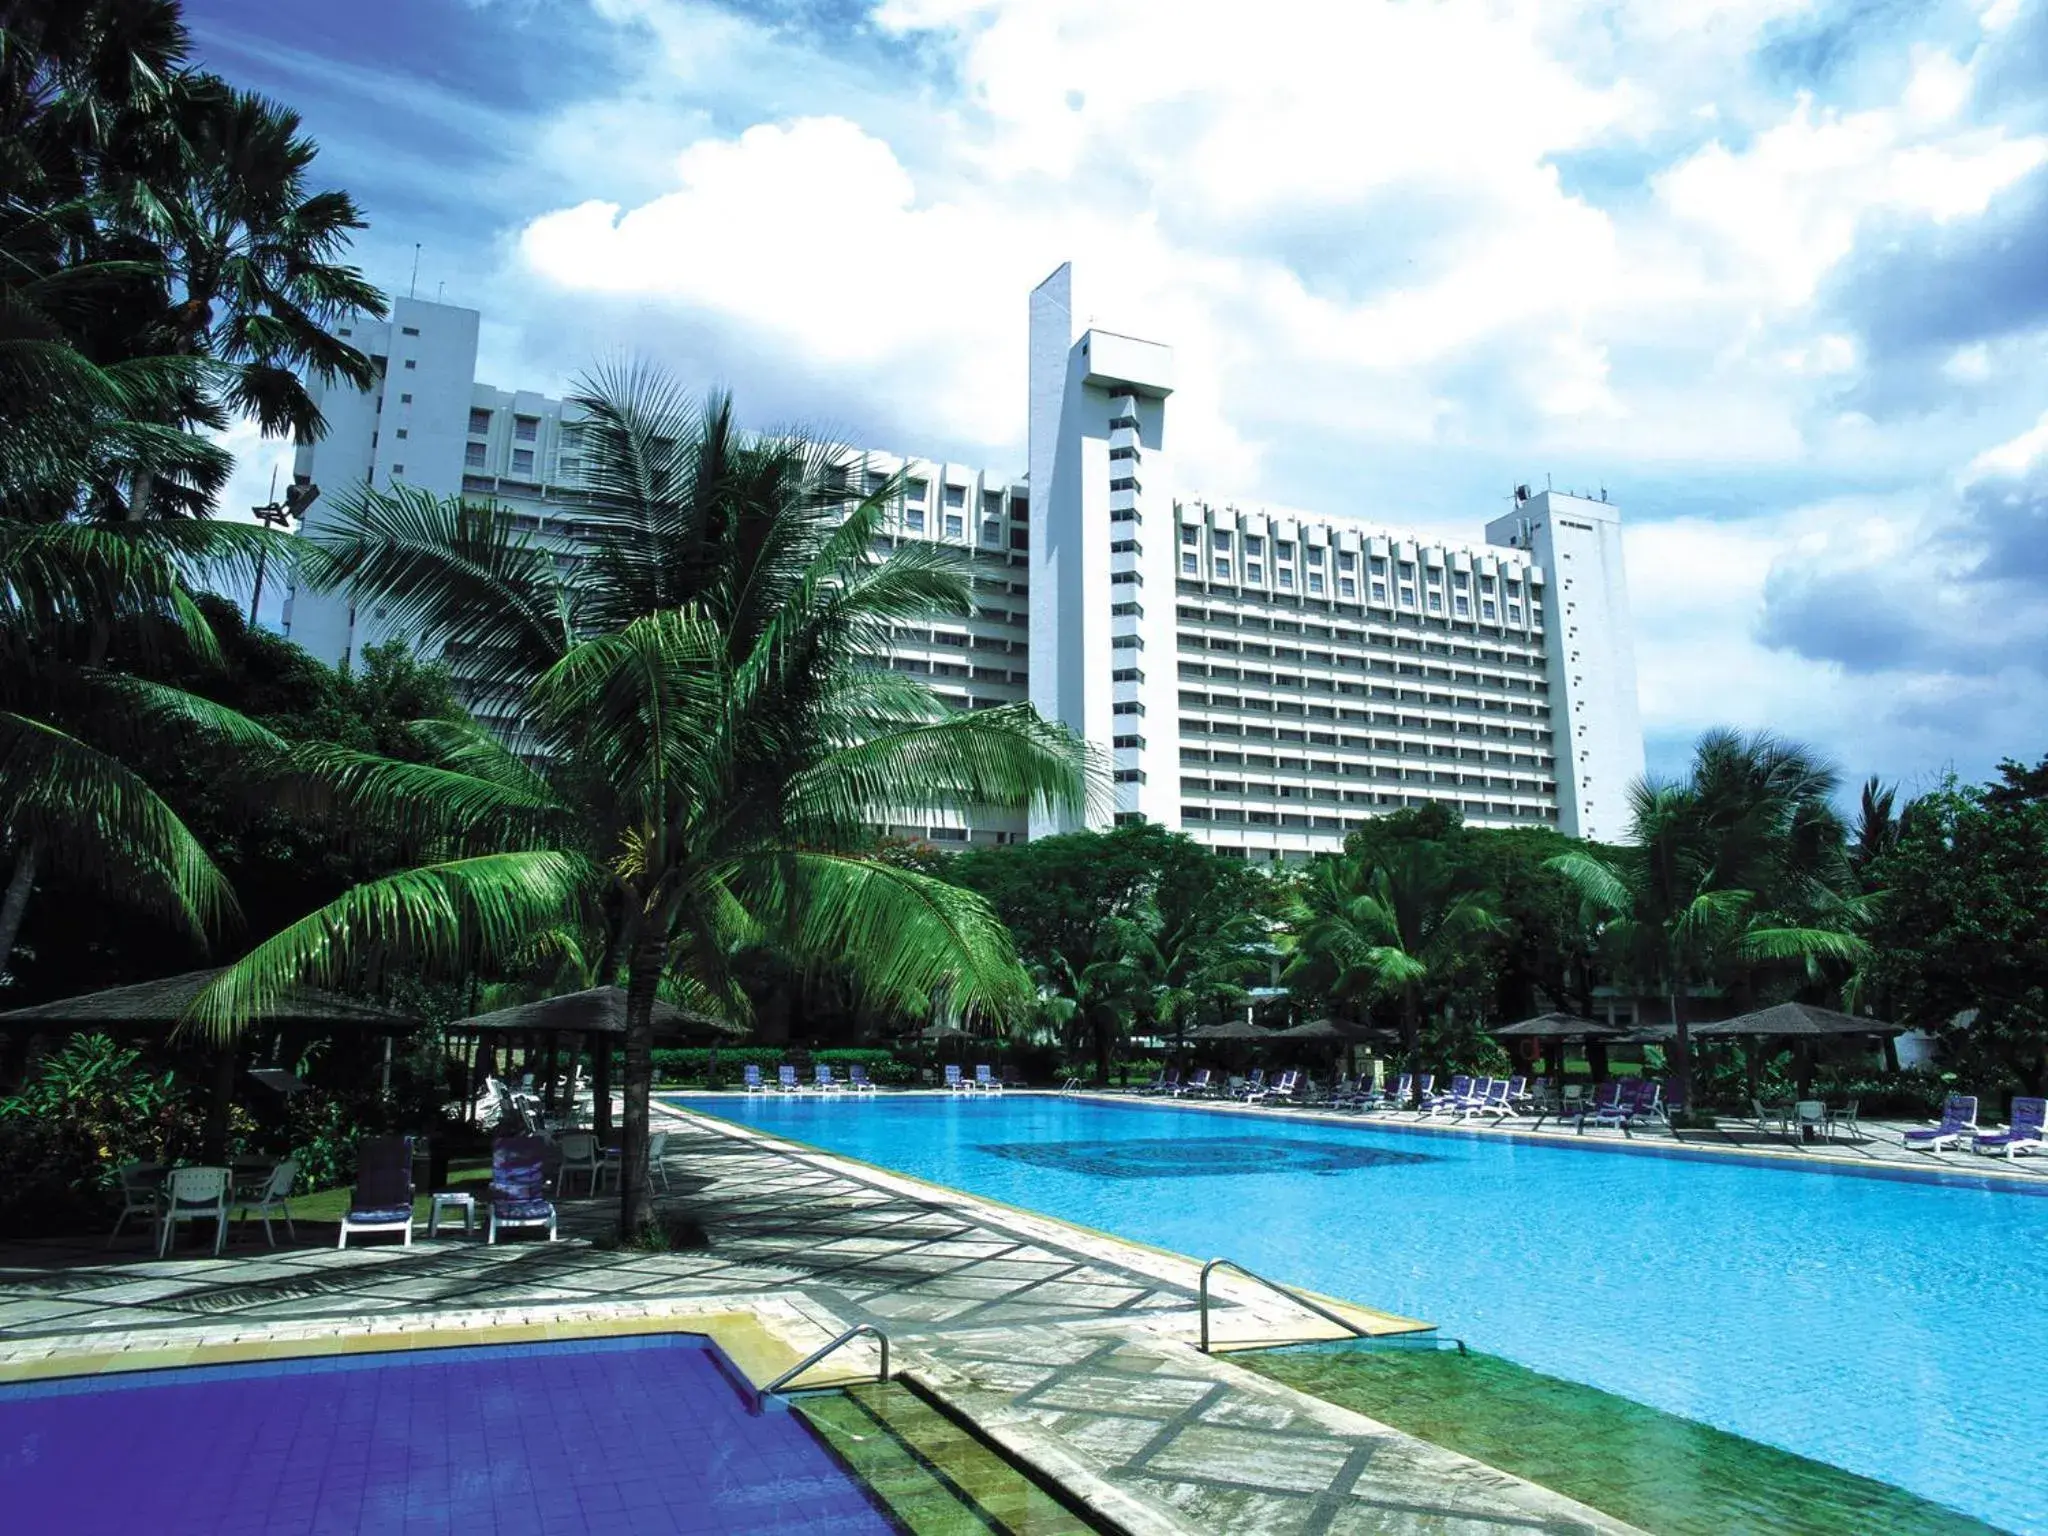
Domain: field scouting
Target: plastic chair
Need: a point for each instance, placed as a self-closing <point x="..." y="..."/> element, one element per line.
<point x="276" y="1200"/>
<point x="580" y="1154"/>
<point x="1811" y="1115"/>
<point x="142" y="1193"/>
<point x="195" y="1194"/>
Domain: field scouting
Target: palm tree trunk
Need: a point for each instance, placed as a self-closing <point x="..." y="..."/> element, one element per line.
<point x="15" y="903"/>
<point x="1681" y="1051"/>
<point x="636" y="1195"/>
<point x="1411" y="1032"/>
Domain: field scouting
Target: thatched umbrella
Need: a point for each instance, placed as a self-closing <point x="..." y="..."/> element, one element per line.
<point x="1555" y="1030"/>
<point x="598" y="1015"/>
<point x="1798" y="1025"/>
<point x="162" y="1005"/>
<point x="1337" y="1032"/>
<point x="1230" y="1029"/>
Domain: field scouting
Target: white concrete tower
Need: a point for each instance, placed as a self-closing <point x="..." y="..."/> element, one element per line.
<point x="1102" y="549"/>
<point x="409" y="426"/>
<point x="1596" y="720"/>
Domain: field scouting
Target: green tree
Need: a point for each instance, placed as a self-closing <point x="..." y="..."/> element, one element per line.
<point x="1962" y="923"/>
<point x="712" y="739"/>
<point x="1396" y="925"/>
<point x="1728" y="873"/>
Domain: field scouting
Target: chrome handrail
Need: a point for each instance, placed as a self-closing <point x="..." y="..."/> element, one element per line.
<point x="1272" y="1285"/>
<point x="761" y="1393"/>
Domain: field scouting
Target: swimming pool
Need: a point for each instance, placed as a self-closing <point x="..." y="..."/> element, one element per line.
<point x="644" y="1434"/>
<point x="1891" y="1327"/>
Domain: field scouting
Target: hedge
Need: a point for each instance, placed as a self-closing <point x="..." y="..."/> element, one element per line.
<point x="691" y="1064"/>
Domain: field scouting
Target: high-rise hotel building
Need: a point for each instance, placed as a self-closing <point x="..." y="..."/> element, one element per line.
<point x="1263" y="680"/>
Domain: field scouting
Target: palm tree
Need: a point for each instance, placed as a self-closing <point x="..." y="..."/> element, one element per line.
<point x="1668" y="914"/>
<point x="711" y="738"/>
<point x="1393" y="928"/>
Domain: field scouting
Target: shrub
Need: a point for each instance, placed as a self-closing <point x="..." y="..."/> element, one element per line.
<point x="693" y="1064"/>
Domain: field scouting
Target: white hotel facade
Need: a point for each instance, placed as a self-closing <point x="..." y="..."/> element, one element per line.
<point x="1264" y="681"/>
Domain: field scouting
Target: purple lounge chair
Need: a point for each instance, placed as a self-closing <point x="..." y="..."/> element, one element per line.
<point x="1449" y="1099"/>
<point x="1958" y="1119"/>
<point x="519" y="1182"/>
<point x="2028" y="1131"/>
<point x="857" y="1079"/>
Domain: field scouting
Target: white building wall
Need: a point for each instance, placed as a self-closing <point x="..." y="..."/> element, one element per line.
<point x="1591" y="655"/>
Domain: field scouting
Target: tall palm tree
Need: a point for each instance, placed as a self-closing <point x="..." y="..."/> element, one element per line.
<point x="1666" y="914"/>
<point x="712" y="738"/>
<point x="1391" y="928"/>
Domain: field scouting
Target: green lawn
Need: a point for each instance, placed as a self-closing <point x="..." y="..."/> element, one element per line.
<point x="331" y="1204"/>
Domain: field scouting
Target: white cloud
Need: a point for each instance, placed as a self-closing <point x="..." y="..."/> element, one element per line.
<point x="2013" y="457"/>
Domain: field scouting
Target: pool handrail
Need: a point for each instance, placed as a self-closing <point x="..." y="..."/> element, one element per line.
<point x="1289" y="1292"/>
<point x="761" y="1394"/>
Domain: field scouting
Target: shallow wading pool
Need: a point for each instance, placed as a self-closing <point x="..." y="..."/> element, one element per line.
<point x="1891" y="1326"/>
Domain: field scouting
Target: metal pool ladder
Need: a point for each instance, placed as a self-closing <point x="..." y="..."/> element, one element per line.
<point x="1272" y="1285"/>
<point x="761" y="1395"/>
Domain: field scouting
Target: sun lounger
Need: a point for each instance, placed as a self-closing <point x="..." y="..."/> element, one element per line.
<point x="785" y="1079"/>
<point x="750" y="1078"/>
<point x="1958" y="1120"/>
<point x="2028" y="1131"/>
<point x="518" y="1188"/>
<point x="1433" y="1104"/>
<point x="1493" y="1105"/>
<point x="1165" y="1083"/>
<point x="826" y="1082"/>
<point x="382" y="1198"/>
<point x="1281" y="1092"/>
<point x="1397" y="1097"/>
<point x="954" y="1082"/>
<point x="985" y="1081"/>
<point x="1256" y="1083"/>
<point x="1196" y="1087"/>
<point x="857" y="1079"/>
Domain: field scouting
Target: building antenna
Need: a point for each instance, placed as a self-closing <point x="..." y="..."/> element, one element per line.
<point x="412" y="291"/>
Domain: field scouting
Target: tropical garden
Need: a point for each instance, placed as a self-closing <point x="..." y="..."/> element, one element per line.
<point x="660" y="766"/>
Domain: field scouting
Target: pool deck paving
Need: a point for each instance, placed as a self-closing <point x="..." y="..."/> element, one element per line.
<point x="1071" y="1351"/>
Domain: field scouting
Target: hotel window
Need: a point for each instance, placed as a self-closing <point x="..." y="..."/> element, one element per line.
<point x="411" y="362"/>
<point x="397" y="469"/>
<point x="1223" y="567"/>
<point x="1286" y="578"/>
<point x="1514" y="613"/>
<point x="522" y="462"/>
<point x="1347" y="586"/>
<point x="955" y="527"/>
<point x="525" y="429"/>
<point x="1127" y="743"/>
<point x="1315" y="555"/>
<point x="1379" y="591"/>
<point x="402" y="432"/>
<point x="1127" y="707"/>
<point x="479" y="423"/>
<point x="1253" y="570"/>
<point x="1460" y="580"/>
<point x="992" y="530"/>
<point x="473" y="456"/>
<point x="1407" y="597"/>
<point x="875" y="481"/>
<point x="1190" y="565"/>
<point x="405" y="399"/>
<point x="914" y="491"/>
<point x="408" y="330"/>
<point x="1462" y="604"/>
<point x="1127" y="675"/>
<point x="1190" y="535"/>
<point x="1486" y="586"/>
<point x="1282" y="551"/>
<point x="1220" y="542"/>
<point x="913" y="518"/>
<point x="1346" y="561"/>
<point x="956" y="495"/>
<point x="1254" y="546"/>
<point x="1486" y="609"/>
<point x="1315" y="583"/>
<point x="1436" y="601"/>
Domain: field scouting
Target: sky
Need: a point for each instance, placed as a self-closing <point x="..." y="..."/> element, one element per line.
<point x="1771" y="273"/>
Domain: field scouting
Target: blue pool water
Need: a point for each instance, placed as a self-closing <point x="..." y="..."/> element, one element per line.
<point x="1898" y="1329"/>
<point x="619" y="1436"/>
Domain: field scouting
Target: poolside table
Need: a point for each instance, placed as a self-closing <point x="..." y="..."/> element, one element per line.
<point x="451" y="1200"/>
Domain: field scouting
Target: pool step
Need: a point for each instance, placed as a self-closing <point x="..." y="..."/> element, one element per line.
<point x="934" y="1477"/>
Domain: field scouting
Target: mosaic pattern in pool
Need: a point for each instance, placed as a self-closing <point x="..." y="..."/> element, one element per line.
<point x="618" y="1436"/>
<point x="1888" y="1327"/>
<point x="1223" y="1157"/>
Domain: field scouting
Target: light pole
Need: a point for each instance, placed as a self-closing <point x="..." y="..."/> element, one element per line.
<point x="278" y="514"/>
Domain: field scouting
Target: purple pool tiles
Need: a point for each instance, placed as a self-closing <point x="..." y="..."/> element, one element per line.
<point x="620" y="1436"/>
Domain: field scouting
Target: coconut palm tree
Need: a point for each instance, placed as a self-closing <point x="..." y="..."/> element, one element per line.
<point x="1390" y="928"/>
<point x="1665" y="915"/>
<point x="708" y="737"/>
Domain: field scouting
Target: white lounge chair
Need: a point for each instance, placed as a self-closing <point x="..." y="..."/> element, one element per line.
<point x="785" y="1079"/>
<point x="986" y="1081"/>
<point x="195" y="1194"/>
<point x="2027" y="1133"/>
<point x="1958" y="1120"/>
<point x="857" y="1079"/>
<point x="826" y="1082"/>
<point x="750" y="1078"/>
<point x="381" y="1200"/>
<point x="955" y="1083"/>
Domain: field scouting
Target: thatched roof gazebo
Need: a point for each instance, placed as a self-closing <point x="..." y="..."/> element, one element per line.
<point x="165" y="1002"/>
<point x="1796" y="1021"/>
<point x="1558" y="1026"/>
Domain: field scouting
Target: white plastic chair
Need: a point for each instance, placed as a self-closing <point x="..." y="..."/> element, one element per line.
<point x="142" y="1193"/>
<point x="195" y="1194"/>
<point x="1811" y="1115"/>
<point x="657" y="1150"/>
<point x="276" y="1200"/>
<point x="580" y="1154"/>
